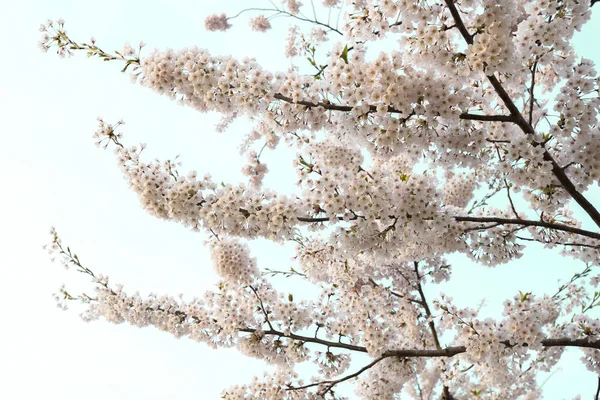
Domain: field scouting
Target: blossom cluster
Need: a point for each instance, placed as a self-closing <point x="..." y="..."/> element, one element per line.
<point x="391" y="150"/>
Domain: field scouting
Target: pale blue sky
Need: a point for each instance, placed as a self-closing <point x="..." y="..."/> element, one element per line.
<point x="54" y="175"/>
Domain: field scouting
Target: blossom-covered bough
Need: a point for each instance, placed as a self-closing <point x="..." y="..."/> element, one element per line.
<point x="398" y="157"/>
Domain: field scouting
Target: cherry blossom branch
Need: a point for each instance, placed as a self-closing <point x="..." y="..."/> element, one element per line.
<point x="483" y="201"/>
<point x="526" y="127"/>
<point x="497" y="140"/>
<point x="56" y="35"/>
<point x="590" y="246"/>
<point x="512" y="205"/>
<point x="445" y="389"/>
<point x="279" y="11"/>
<point x="331" y="384"/>
<point x="458" y="23"/>
<point x="416" y="301"/>
<point x="345" y="108"/>
<point x="57" y="248"/>
<point x="574" y="278"/>
<point x="64" y="42"/>
<point x="69" y="258"/>
<point x="445" y="352"/>
<point x="426" y="307"/>
<point x="262" y="307"/>
<point x="588" y="342"/>
<point x="489" y="118"/>
<point x="440" y="352"/>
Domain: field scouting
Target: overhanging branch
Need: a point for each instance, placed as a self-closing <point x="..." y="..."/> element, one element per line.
<point x="496" y="221"/>
<point x="488" y="118"/>
<point x="525" y="222"/>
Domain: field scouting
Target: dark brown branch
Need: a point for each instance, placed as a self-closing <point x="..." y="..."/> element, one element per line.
<point x="395" y="294"/>
<point x="447" y="352"/>
<point x="406" y="298"/>
<point x="442" y="352"/>
<point x="516" y="115"/>
<point x="445" y="390"/>
<point x="309" y="219"/>
<point x="512" y="205"/>
<point x="497" y="140"/>
<point x="566" y="183"/>
<point x="308" y="339"/>
<point x="262" y="307"/>
<point x="392" y="110"/>
<point x="452" y="351"/>
<point x="458" y="22"/>
<point x="492" y="118"/>
<point x="446" y="394"/>
<point x="328" y="106"/>
<point x="565" y="342"/>
<point x="526" y="222"/>
<point x="558" y="243"/>
<point x="426" y="307"/>
<point x="481" y="228"/>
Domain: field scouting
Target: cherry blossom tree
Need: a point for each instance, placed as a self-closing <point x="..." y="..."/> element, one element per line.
<point x="476" y="132"/>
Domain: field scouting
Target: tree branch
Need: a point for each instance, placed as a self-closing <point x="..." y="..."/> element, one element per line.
<point x="446" y="352"/>
<point x="525" y="222"/>
<point x="492" y="118"/>
<point x="278" y="11"/>
<point x="496" y="221"/>
<point x="426" y="307"/>
<point x="392" y="110"/>
<point x="445" y="389"/>
<point x="262" y="307"/>
<point x="329" y="106"/>
<point x="512" y="205"/>
<point x="458" y="21"/>
<point x="331" y="384"/>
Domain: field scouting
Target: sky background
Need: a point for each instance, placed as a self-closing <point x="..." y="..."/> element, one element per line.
<point x="55" y="176"/>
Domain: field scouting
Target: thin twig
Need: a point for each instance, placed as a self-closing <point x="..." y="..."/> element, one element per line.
<point x="262" y="307"/>
<point x="531" y="96"/>
<point x="512" y="205"/>
<point x="331" y="384"/>
<point x="445" y="389"/>
<point x="288" y="14"/>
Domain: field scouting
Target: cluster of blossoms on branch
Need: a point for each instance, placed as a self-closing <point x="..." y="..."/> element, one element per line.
<point x="399" y="158"/>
